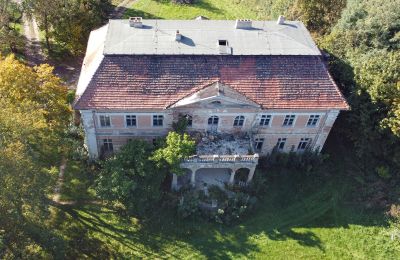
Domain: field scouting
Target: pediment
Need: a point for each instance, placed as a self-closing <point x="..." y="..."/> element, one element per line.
<point x="216" y="94"/>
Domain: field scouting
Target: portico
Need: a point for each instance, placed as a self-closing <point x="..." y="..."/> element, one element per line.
<point x="232" y="162"/>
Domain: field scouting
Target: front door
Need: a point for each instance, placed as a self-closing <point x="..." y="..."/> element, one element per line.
<point x="213" y="124"/>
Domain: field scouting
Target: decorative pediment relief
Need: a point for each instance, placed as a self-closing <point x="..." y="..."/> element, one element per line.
<point x="216" y="95"/>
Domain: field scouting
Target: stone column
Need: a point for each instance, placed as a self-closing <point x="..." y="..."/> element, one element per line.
<point x="232" y="178"/>
<point x="193" y="177"/>
<point x="174" y="184"/>
<point x="251" y="174"/>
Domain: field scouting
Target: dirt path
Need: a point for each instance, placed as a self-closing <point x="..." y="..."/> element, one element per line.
<point x="33" y="48"/>
<point x="121" y="8"/>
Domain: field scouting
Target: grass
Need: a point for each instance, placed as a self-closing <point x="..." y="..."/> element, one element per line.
<point x="300" y="217"/>
<point x="213" y="9"/>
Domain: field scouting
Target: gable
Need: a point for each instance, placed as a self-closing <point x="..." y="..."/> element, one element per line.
<point x="216" y="93"/>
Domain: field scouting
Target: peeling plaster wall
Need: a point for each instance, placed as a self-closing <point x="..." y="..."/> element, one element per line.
<point x="120" y="133"/>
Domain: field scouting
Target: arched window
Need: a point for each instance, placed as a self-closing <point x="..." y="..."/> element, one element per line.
<point x="239" y="121"/>
<point x="189" y="120"/>
<point x="213" y="120"/>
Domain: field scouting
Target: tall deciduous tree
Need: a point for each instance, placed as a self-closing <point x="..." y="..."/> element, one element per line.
<point x="34" y="112"/>
<point x="366" y="41"/>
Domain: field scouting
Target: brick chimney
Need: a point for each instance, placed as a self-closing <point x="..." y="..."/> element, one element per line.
<point x="135" y="22"/>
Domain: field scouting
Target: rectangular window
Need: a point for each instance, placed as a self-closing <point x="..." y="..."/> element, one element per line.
<point x="265" y="120"/>
<point x="239" y="121"/>
<point x="105" y="121"/>
<point x="281" y="143"/>
<point x="158" y="120"/>
<point x="304" y="143"/>
<point x="258" y="143"/>
<point x="288" y="121"/>
<point x="130" y="120"/>
<point x="108" y="145"/>
<point x="313" y="120"/>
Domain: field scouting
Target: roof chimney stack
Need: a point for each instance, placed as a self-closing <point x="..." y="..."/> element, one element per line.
<point x="135" y="22"/>
<point x="243" y="24"/>
<point x="281" y="20"/>
<point x="178" y="36"/>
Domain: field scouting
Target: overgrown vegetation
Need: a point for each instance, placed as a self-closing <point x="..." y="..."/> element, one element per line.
<point x="131" y="178"/>
<point x="34" y="113"/>
<point x="342" y="207"/>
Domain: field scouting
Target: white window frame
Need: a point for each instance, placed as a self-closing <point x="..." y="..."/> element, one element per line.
<point x="306" y="142"/>
<point x="158" y="115"/>
<point x="267" y="117"/>
<point x="293" y="122"/>
<point x="213" y="119"/>
<point x="239" y="119"/>
<point x="126" y="120"/>
<point x="105" y="115"/>
<point x="281" y="140"/>
<point x="317" y="123"/>
<point x="258" y="141"/>
<point x="108" y="142"/>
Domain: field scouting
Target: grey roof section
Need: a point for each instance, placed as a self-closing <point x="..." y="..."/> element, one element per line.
<point x="200" y="37"/>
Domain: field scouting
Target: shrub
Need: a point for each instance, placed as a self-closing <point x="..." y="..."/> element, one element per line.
<point x="189" y="205"/>
<point x="131" y="178"/>
<point x="305" y="161"/>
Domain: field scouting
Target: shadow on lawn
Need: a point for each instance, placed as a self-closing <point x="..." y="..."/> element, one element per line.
<point x="291" y="204"/>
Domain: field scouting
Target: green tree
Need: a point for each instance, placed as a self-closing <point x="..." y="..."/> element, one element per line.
<point x="131" y="178"/>
<point x="318" y="15"/>
<point x="69" y="23"/>
<point x="365" y="53"/>
<point x="10" y="14"/>
<point x="177" y="148"/>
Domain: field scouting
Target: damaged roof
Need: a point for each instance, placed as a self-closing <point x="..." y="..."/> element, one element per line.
<point x="124" y="82"/>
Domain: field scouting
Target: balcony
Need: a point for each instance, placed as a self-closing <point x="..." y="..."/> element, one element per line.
<point x="218" y="159"/>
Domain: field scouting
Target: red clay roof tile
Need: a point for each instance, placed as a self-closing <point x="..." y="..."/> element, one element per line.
<point x="156" y="82"/>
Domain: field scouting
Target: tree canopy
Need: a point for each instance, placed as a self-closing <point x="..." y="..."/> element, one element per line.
<point x="131" y="178"/>
<point x="34" y="112"/>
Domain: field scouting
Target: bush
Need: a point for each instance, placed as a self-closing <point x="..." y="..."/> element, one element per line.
<point x="131" y="178"/>
<point x="189" y="205"/>
<point x="235" y="208"/>
<point x="305" y="161"/>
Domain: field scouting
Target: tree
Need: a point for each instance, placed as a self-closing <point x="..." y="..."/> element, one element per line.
<point x="177" y="148"/>
<point x="131" y="178"/>
<point x="10" y="14"/>
<point x="69" y="23"/>
<point x="34" y="113"/>
<point x="318" y="15"/>
<point x="365" y="53"/>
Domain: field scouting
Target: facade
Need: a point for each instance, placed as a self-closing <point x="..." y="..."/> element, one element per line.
<point x="266" y="80"/>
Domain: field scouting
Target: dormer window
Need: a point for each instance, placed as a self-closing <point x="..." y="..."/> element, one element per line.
<point x="222" y="42"/>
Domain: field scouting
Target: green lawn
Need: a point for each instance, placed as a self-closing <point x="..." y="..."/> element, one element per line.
<point x="300" y="217"/>
<point x="213" y="9"/>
